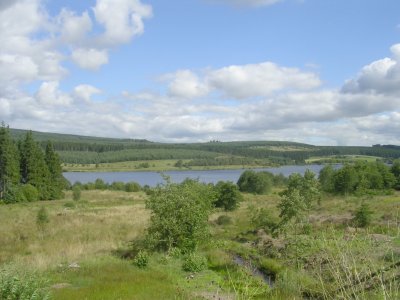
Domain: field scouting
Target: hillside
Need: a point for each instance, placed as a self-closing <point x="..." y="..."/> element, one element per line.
<point x="76" y="149"/>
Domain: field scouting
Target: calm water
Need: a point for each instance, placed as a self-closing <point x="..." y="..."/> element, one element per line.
<point x="154" y="178"/>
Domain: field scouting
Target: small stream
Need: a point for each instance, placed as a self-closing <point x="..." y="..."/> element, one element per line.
<point x="268" y="279"/>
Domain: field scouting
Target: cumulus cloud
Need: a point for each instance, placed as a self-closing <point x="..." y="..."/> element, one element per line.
<point x="257" y="80"/>
<point x="74" y="28"/>
<point x="84" y="92"/>
<point x="90" y="59"/>
<point x="185" y="84"/>
<point x="122" y="19"/>
<point x="381" y="76"/>
<point x="49" y="94"/>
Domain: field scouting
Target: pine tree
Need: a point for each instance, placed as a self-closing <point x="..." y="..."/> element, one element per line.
<point x="33" y="167"/>
<point x="9" y="161"/>
<point x="53" y="163"/>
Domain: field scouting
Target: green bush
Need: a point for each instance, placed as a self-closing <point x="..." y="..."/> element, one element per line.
<point x="141" y="259"/>
<point x="132" y="187"/>
<point x="117" y="186"/>
<point x="228" y="195"/>
<point x="224" y="220"/>
<point x="99" y="184"/>
<point x="179" y="215"/>
<point x="363" y="216"/>
<point x="13" y="194"/>
<point x="30" y="192"/>
<point x="255" y="182"/>
<point x="194" y="263"/>
<point x="27" y="288"/>
<point x="263" y="219"/>
<point x="76" y="193"/>
<point x="42" y="217"/>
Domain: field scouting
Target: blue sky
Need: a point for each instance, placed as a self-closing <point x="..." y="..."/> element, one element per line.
<point x="322" y="72"/>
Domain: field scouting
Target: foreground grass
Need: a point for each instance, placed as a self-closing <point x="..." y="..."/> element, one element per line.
<point x="76" y="251"/>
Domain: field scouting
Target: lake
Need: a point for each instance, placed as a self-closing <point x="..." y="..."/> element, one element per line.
<point x="207" y="176"/>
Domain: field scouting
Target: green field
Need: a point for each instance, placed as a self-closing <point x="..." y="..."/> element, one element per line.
<point x="146" y="165"/>
<point x="76" y="253"/>
<point x="76" y="151"/>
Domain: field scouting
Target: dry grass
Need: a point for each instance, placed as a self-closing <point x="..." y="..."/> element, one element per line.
<point x="100" y="223"/>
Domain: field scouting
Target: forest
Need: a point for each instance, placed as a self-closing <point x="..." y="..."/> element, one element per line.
<point x="75" y="149"/>
<point x="27" y="172"/>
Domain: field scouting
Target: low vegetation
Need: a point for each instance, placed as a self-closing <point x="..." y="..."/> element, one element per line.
<point x="332" y="236"/>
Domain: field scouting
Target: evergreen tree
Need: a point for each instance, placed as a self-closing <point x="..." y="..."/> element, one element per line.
<point x="34" y="169"/>
<point x="9" y="161"/>
<point x="53" y="163"/>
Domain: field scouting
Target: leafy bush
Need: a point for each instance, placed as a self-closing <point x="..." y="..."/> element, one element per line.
<point x="224" y="220"/>
<point x="141" y="259"/>
<point x="179" y="216"/>
<point x="228" y="195"/>
<point x="194" y="263"/>
<point x="42" y="217"/>
<point x="117" y="186"/>
<point x="76" y="193"/>
<point x="255" y="183"/>
<point x="30" y="192"/>
<point x="363" y="216"/>
<point x="16" y="288"/>
<point x="262" y="218"/>
<point x="132" y="187"/>
<point x="99" y="184"/>
<point x="13" y="194"/>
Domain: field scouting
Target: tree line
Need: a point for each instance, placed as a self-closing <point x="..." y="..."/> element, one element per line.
<point x="27" y="173"/>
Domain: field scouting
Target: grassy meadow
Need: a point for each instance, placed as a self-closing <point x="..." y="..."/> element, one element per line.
<point x="78" y="254"/>
<point x="146" y="165"/>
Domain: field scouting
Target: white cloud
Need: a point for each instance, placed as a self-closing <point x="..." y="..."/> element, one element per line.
<point x="185" y="84"/>
<point x="258" y="80"/>
<point x="90" y="59"/>
<point x="122" y="19"/>
<point x="85" y="91"/>
<point x="49" y="94"/>
<point x="381" y="76"/>
<point x="5" y="108"/>
<point x="74" y="28"/>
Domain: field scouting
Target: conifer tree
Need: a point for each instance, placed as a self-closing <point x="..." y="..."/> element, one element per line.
<point x="53" y="163"/>
<point x="33" y="167"/>
<point x="9" y="161"/>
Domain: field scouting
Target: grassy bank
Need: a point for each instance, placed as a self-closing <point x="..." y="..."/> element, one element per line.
<point x="147" y="165"/>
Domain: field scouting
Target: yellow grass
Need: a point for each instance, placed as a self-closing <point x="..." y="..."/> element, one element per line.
<point x="100" y="223"/>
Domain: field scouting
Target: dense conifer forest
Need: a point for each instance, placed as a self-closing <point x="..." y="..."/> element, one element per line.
<point x="27" y="171"/>
<point x="91" y="150"/>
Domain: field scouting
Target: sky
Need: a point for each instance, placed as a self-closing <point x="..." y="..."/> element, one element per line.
<point x="318" y="72"/>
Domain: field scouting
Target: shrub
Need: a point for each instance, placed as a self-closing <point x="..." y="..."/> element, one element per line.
<point x="76" y="193"/>
<point x="262" y="218"/>
<point x="224" y="220"/>
<point x="13" y="194"/>
<point x="194" y="263"/>
<point x="117" y="186"/>
<point x="132" y="187"/>
<point x="255" y="183"/>
<point x="228" y="195"/>
<point x="141" y="259"/>
<point x="16" y="288"/>
<point x="363" y="216"/>
<point x="42" y="217"/>
<point x="179" y="216"/>
<point x="30" y="192"/>
<point x="99" y="184"/>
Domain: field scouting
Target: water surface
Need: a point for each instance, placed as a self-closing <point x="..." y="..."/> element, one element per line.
<point x="207" y="176"/>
